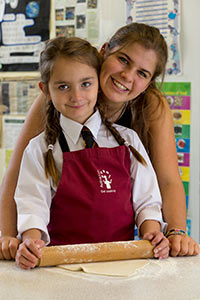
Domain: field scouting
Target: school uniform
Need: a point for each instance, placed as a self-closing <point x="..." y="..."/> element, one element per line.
<point x="101" y="193"/>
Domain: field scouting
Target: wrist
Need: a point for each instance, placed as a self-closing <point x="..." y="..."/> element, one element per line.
<point x="175" y="231"/>
<point x="32" y="234"/>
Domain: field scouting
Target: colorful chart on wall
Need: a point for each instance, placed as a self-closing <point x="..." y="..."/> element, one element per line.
<point x="165" y="15"/>
<point x="24" y="26"/>
<point x="178" y="95"/>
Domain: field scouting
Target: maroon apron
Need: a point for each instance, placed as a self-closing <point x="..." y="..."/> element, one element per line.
<point x="93" y="202"/>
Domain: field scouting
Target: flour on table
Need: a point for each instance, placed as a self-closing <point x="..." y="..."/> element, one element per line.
<point x="123" y="268"/>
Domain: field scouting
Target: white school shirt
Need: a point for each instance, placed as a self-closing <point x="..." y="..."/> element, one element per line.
<point x="34" y="191"/>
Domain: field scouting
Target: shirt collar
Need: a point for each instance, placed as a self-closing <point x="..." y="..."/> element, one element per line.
<point x="73" y="129"/>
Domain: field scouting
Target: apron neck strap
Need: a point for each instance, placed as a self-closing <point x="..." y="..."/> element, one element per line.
<point x="63" y="143"/>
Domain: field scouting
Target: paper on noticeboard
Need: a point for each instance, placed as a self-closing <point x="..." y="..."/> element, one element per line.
<point x="165" y="15"/>
<point x="11" y="127"/>
<point x="77" y="18"/>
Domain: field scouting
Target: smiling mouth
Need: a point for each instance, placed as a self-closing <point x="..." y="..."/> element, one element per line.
<point x="75" y="106"/>
<point x="119" y="85"/>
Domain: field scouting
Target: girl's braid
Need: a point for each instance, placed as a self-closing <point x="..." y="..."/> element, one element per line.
<point x="52" y="131"/>
<point x="121" y="140"/>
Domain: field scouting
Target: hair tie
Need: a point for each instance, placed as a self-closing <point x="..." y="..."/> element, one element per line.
<point x="50" y="147"/>
<point x="126" y="144"/>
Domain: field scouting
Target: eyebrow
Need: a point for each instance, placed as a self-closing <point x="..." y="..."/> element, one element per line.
<point x="82" y="79"/>
<point x="128" y="58"/>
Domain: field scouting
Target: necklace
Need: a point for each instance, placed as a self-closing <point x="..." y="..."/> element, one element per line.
<point x="118" y="114"/>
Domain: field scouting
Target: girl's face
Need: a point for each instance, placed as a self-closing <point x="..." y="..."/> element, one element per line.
<point x="127" y="72"/>
<point x="73" y="88"/>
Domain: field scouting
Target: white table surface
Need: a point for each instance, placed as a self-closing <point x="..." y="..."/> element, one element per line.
<point x="172" y="278"/>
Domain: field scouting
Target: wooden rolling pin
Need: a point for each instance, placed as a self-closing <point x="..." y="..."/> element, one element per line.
<point x="80" y="253"/>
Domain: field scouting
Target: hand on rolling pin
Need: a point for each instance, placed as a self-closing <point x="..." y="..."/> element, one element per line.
<point x="28" y="253"/>
<point x="8" y="247"/>
<point x="160" y="242"/>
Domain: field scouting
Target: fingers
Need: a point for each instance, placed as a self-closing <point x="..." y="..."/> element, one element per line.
<point x="28" y="253"/>
<point x="8" y="247"/>
<point x="160" y="242"/>
<point x="183" y="245"/>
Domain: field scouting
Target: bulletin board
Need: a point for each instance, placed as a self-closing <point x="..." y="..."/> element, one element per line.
<point x="25" y="26"/>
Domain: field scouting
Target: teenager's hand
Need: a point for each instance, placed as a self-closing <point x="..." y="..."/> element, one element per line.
<point x="8" y="247"/>
<point x="182" y="245"/>
<point x="160" y="242"/>
<point x="28" y="253"/>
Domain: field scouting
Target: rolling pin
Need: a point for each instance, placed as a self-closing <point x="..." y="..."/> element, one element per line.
<point x="96" y="252"/>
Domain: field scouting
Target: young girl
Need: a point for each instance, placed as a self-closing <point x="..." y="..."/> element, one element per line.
<point x="67" y="194"/>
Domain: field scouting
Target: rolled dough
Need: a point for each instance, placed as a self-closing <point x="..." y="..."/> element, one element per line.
<point x="123" y="268"/>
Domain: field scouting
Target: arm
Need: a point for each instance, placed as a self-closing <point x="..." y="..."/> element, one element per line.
<point x="33" y="125"/>
<point x="33" y="195"/>
<point x="147" y="203"/>
<point x="29" y="250"/>
<point x="163" y="155"/>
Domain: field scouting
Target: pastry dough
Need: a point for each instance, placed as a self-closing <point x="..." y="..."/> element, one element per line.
<point x="123" y="268"/>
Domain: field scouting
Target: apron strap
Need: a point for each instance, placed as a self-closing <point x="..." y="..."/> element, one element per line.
<point x="63" y="143"/>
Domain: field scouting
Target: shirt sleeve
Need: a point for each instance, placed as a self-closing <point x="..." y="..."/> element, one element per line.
<point x="33" y="193"/>
<point x="147" y="201"/>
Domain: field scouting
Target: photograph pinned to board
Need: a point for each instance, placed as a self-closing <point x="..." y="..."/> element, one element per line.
<point x="24" y="27"/>
<point x="165" y="15"/>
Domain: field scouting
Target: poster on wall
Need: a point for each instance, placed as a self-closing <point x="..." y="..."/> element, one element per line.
<point x="24" y="26"/>
<point x="165" y="15"/>
<point x="77" y="18"/>
<point x="16" y="96"/>
<point x="178" y="95"/>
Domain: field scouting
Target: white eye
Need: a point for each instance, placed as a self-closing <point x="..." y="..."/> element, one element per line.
<point x="63" y="87"/>
<point x="142" y="74"/>
<point x="123" y="60"/>
<point x="86" y="84"/>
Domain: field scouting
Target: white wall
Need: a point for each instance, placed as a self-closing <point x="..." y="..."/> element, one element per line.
<point x="113" y="17"/>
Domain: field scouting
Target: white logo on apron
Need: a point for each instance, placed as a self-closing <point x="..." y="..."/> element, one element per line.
<point x="105" y="181"/>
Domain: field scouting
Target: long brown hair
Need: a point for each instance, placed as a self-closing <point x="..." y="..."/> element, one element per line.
<point x="142" y="108"/>
<point x="79" y="50"/>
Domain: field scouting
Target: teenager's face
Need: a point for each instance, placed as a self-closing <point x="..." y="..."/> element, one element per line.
<point x="127" y="72"/>
<point x="73" y="89"/>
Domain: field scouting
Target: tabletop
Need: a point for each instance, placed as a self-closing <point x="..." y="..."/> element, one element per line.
<point x="171" y="278"/>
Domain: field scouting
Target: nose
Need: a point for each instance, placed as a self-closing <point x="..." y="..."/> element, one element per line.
<point x="128" y="74"/>
<point x="75" y="95"/>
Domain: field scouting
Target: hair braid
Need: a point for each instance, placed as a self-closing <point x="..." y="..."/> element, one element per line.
<point x="120" y="139"/>
<point x="52" y="131"/>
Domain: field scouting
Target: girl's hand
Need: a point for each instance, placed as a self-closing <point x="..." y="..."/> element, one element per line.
<point x="182" y="245"/>
<point x="28" y="253"/>
<point x="8" y="247"/>
<point x="160" y="242"/>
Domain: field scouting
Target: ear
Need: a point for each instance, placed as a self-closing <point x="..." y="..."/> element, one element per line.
<point x="44" y="89"/>
<point x="103" y="49"/>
